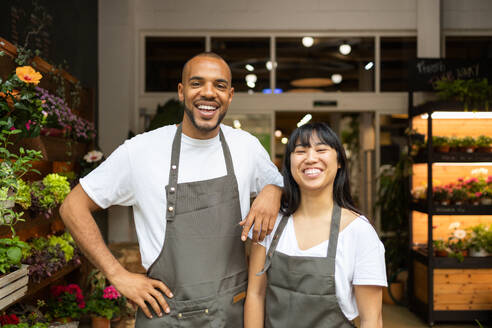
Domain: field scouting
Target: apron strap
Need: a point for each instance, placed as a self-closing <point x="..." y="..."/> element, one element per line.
<point x="173" y="172"/>
<point x="173" y="175"/>
<point x="333" y="241"/>
<point x="273" y="245"/>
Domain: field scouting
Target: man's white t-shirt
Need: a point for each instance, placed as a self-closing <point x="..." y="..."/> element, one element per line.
<point x="359" y="259"/>
<point x="137" y="173"/>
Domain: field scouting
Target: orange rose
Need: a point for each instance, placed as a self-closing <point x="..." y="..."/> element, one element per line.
<point x="28" y="74"/>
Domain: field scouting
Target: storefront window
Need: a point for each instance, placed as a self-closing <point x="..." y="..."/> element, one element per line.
<point x="164" y="60"/>
<point x="256" y="124"/>
<point x="313" y="64"/>
<point x="469" y="47"/>
<point x="247" y="58"/>
<point x="396" y="54"/>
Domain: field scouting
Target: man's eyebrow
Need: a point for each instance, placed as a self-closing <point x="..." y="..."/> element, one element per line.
<point x="196" y="78"/>
<point x="199" y="78"/>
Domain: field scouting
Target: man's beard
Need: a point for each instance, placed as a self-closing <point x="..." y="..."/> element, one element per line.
<point x="202" y="128"/>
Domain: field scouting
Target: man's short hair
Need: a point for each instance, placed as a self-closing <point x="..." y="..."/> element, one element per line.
<point x="205" y="54"/>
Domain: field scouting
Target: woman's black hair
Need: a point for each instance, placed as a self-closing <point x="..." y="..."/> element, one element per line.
<point x="291" y="196"/>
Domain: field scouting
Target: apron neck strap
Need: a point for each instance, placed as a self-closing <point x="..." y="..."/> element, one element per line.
<point x="333" y="241"/>
<point x="273" y="245"/>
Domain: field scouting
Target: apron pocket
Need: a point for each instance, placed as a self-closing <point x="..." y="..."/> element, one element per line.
<point x="198" y="313"/>
<point x="232" y="301"/>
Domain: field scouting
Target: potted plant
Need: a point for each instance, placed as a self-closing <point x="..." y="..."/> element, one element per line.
<point x="90" y="161"/>
<point x="458" y="194"/>
<point x="66" y="304"/>
<point x="457" y="243"/>
<point x="441" y="195"/>
<point x="467" y="144"/>
<point x="439" y="246"/>
<point x="483" y="144"/>
<point x="48" y="193"/>
<point x="480" y="240"/>
<point x="474" y="198"/>
<point x="440" y="144"/>
<point x="454" y="143"/>
<point x="19" y="104"/>
<point x="104" y="302"/>
<point x="487" y="195"/>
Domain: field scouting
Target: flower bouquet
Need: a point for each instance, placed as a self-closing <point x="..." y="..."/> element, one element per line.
<point x="66" y="303"/>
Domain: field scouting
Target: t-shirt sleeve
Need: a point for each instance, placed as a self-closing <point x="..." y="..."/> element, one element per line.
<point x="369" y="268"/>
<point x="268" y="239"/>
<point x="111" y="182"/>
<point x="265" y="172"/>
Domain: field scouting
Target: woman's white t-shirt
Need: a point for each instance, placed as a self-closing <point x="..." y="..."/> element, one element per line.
<point x="359" y="259"/>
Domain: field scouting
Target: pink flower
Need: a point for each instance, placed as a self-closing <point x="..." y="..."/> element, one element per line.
<point x="12" y="128"/>
<point x="111" y="293"/>
<point x="478" y="194"/>
<point x="28" y="125"/>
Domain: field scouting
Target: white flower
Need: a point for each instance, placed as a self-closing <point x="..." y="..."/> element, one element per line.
<point x="454" y="225"/>
<point x="460" y="233"/>
<point x="93" y="156"/>
<point x="480" y="172"/>
<point x="419" y="192"/>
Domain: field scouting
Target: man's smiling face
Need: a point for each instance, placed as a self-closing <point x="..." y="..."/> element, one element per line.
<point x="206" y="93"/>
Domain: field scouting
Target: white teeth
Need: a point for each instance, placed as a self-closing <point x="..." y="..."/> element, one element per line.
<point x="205" y="107"/>
<point x="312" y="171"/>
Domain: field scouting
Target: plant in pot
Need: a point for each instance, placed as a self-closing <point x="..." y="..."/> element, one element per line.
<point x="467" y="144"/>
<point x="457" y="243"/>
<point x="66" y="304"/>
<point x="48" y="193"/>
<point x="474" y="198"/>
<point x="440" y="144"/>
<point x="439" y="246"/>
<point x="90" y="161"/>
<point x="481" y="240"/>
<point x="459" y="194"/>
<point x="441" y="195"/>
<point x="486" y="195"/>
<point x="19" y="103"/>
<point x="483" y="144"/>
<point x="454" y="143"/>
<point x="393" y="199"/>
<point x="104" y="302"/>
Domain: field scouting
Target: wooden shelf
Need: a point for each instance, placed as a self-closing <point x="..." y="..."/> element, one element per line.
<point x="421" y="206"/>
<point x="453" y="157"/>
<point x="421" y="255"/>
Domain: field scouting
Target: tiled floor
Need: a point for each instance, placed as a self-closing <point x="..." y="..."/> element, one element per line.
<point x="395" y="316"/>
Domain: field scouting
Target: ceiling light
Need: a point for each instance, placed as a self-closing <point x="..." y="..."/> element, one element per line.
<point x="251" y="84"/>
<point x="284" y="140"/>
<point x="236" y="124"/>
<point x="336" y="78"/>
<point x="369" y="65"/>
<point x="269" y="65"/>
<point x="278" y="133"/>
<point x="307" y="41"/>
<point x="250" y="67"/>
<point x="251" y="78"/>
<point x="458" y="115"/>
<point x="304" y="120"/>
<point x="345" y="48"/>
<point x="276" y="90"/>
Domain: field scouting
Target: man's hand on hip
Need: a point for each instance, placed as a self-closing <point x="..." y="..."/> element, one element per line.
<point x="263" y="213"/>
<point x="141" y="289"/>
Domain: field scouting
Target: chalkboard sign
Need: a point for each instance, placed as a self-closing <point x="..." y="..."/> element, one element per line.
<point x="424" y="72"/>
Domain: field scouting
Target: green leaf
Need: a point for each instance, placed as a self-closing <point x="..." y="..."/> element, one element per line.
<point x="14" y="254"/>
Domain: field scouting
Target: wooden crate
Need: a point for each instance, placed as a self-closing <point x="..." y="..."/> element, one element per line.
<point x="13" y="286"/>
<point x="455" y="289"/>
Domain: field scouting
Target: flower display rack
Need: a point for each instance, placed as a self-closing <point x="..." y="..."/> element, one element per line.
<point x="444" y="289"/>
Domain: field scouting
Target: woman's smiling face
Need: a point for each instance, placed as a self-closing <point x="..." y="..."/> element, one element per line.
<point x="314" y="166"/>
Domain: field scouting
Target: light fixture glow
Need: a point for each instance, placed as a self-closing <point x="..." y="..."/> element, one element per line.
<point x="458" y="115"/>
<point x="251" y="78"/>
<point x="276" y="90"/>
<point x="345" y="49"/>
<point x="304" y="120"/>
<point x="236" y="124"/>
<point x="278" y="133"/>
<point x="336" y="78"/>
<point x="269" y="65"/>
<point x="307" y="41"/>
<point x="250" y="92"/>
<point x="369" y="65"/>
<point x="251" y="84"/>
<point x="284" y="140"/>
<point x="250" y="67"/>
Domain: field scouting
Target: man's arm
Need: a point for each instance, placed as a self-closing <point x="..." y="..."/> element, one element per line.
<point x="263" y="213"/>
<point x="76" y="214"/>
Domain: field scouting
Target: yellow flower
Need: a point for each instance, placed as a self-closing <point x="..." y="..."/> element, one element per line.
<point x="28" y="74"/>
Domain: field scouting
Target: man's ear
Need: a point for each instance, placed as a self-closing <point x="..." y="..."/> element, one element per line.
<point x="180" y="92"/>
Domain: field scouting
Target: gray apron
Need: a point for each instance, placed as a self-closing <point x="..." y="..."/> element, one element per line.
<point x="300" y="289"/>
<point x="202" y="260"/>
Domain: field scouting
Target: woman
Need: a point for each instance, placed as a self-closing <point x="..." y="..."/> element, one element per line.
<point x="298" y="275"/>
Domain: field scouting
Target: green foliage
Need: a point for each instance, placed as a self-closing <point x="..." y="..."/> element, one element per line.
<point x="26" y="325"/>
<point x="438" y="141"/>
<point x="65" y="246"/>
<point x="481" y="237"/>
<point x="483" y="141"/>
<point x="11" y="253"/>
<point x="23" y="196"/>
<point x="472" y="93"/>
<point x="170" y="113"/>
<point x="56" y="185"/>
<point x="102" y="307"/>
<point x="466" y="142"/>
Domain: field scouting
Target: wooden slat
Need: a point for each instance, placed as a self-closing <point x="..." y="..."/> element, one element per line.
<point x="463" y="307"/>
<point x="466" y="288"/>
<point x="454" y="127"/>
<point x="420" y="282"/>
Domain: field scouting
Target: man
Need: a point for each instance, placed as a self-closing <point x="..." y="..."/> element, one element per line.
<point x="189" y="187"/>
